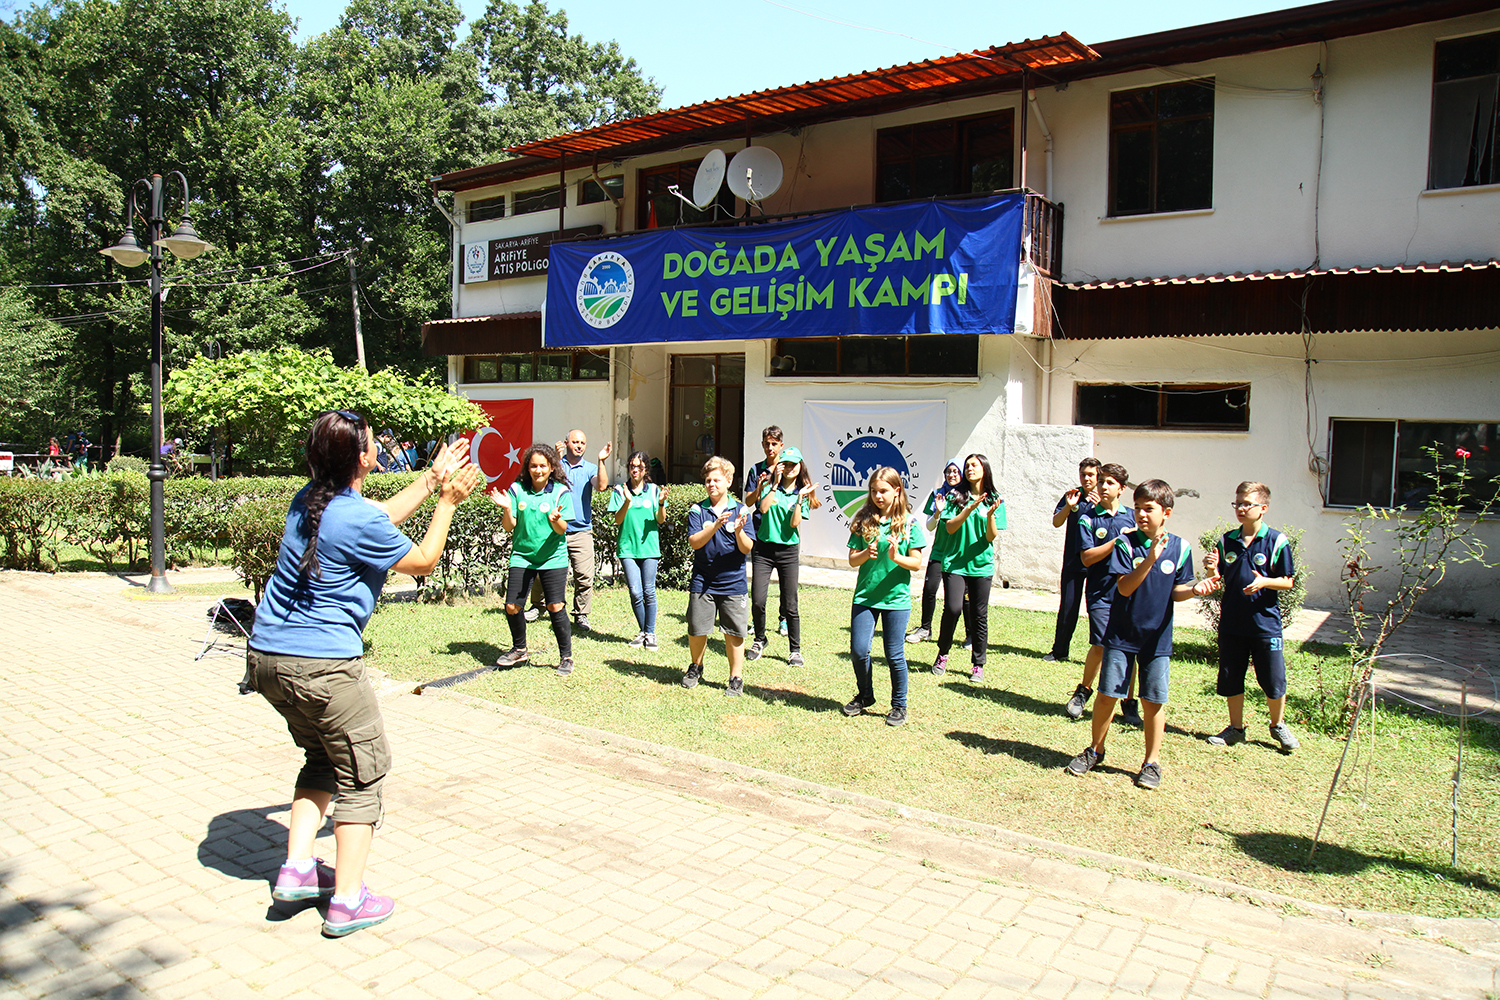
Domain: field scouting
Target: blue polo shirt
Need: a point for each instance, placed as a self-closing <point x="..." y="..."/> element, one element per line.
<point x="1091" y="531"/>
<point x="325" y="615"/>
<point x="581" y="478"/>
<point x="718" y="567"/>
<point x="1072" y="563"/>
<point x="1142" y="622"/>
<point x="751" y="475"/>
<point x="1269" y="553"/>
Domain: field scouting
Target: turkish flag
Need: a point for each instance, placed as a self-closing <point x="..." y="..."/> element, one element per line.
<point x="496" y="450"/>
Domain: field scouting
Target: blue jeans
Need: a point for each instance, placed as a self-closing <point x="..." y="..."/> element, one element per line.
<point x="893" y="634"/>
<point x="640" y="580"/>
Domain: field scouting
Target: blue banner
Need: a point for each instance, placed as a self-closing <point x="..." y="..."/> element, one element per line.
<point x="926" y="267"/>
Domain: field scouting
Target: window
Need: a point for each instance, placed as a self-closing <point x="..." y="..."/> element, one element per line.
<point x="1388" y="463"/>
<point x="544" y="366"/>
<point x="539" y="200"/>
<point x="929" y="354"/>
<point x="932" y="159"/>
<point x="1176" y="407"/>
<point x="590" y="191"/>
<point x="1161" y="148"/>
<point x="1465" y="112"/>
<point x="658" y="206"/>
<point x="487" y="208"/>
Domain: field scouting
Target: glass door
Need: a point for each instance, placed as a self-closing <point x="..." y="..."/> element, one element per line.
<point x="708" y="414"/>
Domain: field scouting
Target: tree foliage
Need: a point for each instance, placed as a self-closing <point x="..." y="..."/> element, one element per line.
<point x="296" y="155"/>
<point x="261" y="402"/>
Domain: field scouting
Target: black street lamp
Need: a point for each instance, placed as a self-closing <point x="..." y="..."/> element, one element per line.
<point x="187" y="244"/>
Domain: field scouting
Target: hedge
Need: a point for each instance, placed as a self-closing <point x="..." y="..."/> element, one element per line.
<point x="108" y="515"/>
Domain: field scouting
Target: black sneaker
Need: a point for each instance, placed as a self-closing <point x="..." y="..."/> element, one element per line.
<point x="735" y="687"/>
<point x="1130" y="712"/>
<point x="1052" y="658"/>
<point x="795" y="660"/>
<point x="1081" y="696"/>
<point x="1084" y="762"/>
<point x="1149" y="778"/>
<point x="513" y="657"/>
<point x="1227" y="737"/>
<point x="753" y="651"/>
<point x="693" y="676"/>
<point x="565" y="666"/>
<point x="857" y="706"/>
<point x="896" y="717"/>
<point x="966" y="644"/>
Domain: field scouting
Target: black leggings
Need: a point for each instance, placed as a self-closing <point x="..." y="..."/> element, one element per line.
<point x="930" y="586"/>
<point x="554" y="582"/>
<point x="765" y="557"/>
<point x="978" y="590"/>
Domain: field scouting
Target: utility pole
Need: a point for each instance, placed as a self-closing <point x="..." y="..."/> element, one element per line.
<point x="359" y="336"/>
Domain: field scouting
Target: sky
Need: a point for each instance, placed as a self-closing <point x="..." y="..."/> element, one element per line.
<point x="697" y="51"/>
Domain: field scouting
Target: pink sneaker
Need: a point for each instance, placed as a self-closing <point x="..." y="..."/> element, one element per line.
<point x="372" y="909"/>
<point x="292" y="885"/>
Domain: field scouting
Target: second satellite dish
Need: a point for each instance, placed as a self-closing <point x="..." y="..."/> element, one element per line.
<point x="754" y="173"/>
<point x="710" y="177"/>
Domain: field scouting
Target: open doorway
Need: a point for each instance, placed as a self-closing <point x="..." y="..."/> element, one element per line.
<point x="708" y="413"/>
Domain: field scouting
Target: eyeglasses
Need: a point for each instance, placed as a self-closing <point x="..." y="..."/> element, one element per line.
<point x="1245" y="505"/>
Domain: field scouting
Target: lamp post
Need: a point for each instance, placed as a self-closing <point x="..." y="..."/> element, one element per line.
<point x="127" y="252"/>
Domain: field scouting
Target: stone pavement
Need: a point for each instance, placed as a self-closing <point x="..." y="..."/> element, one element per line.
<point x="143" y="808"/>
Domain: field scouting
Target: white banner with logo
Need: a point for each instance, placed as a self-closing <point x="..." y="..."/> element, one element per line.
<point x="843" y="443"/>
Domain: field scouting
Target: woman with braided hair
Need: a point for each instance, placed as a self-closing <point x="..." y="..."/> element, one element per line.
<point x="305" y="653"/>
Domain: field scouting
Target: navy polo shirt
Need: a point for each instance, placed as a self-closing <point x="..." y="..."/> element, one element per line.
<point x="1269" y="553"/>
<point x="1072" y="564"/>
<point x="1142" y="622"/>
<point x="718" y="567"/>
<point x="581" y="478"/>
<point x="1092" y="531"/>
<point x="751" y="475"/>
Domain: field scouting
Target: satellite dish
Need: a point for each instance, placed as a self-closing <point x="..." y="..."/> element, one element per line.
<point x="710" y="178"/>
<point x="754" y="173"/>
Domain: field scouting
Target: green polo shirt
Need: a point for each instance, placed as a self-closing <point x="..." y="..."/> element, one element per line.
<point x="882" y="584"/>
<point x="640" y="535"/>
<point x="776" y="522"/>
<point x="533" y="543"/>
<point x="970" y="553"/>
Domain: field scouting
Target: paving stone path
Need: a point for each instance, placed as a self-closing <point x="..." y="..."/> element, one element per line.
<point x="143" y="803"/>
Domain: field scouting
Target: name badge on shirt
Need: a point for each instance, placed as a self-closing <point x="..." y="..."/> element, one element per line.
<point x="1167" y="566"/>
<point x="1230" y="557"/>
<point x="1260" y="558"/>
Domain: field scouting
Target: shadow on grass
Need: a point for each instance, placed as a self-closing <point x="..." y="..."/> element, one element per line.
<point x="793" y="699"/>
<point x="1289" y="853"/>
<point x="1045" y="758"/>
<point x="1010" y="699"/>
<point x="663" y="675"/>
<point x="483" y="653"/>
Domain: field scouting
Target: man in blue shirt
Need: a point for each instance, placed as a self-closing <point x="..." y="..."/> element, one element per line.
<point x="585" y="477"/>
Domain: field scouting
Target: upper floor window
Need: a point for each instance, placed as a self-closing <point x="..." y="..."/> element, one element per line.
<point x="1161" y="148"/>
<point x="658" y="206"/>
<point x="933" y="159"/>
<point x="925" y="355"/>
<point x="604" y="189"/>
<point x="539" y="200"/>
<point x="1465" y="112"/>
<point x="487" y="208"/>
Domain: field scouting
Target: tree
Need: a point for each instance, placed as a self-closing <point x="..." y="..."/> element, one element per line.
<point x="261" y="402"/>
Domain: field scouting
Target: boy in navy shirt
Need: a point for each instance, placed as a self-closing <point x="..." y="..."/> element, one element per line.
<point x="1074" y="506"/>
<point x="1094" y="538"/>
<point x="1153" y="570"/>
<point x="722" y="535"/>
<point x="1253" y="564"/>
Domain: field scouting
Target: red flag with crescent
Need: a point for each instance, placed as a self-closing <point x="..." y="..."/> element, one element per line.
<point x="496" y="450"/>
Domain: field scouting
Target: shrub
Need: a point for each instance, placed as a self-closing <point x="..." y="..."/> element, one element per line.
<point x="255" y="528"/>
<point x="128" y="463"/>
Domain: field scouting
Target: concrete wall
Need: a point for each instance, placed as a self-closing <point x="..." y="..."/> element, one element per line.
<point x="1369" y="375"/>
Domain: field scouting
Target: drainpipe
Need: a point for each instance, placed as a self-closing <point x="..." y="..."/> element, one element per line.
<point x="1047" y="153"/>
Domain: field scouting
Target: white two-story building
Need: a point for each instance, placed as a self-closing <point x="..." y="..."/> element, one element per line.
<point x="1258" y="249"/>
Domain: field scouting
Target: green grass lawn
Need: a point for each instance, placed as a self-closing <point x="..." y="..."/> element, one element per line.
<point x="995" y="752"/>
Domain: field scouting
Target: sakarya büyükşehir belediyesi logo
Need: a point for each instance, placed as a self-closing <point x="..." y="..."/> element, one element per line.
<point x="853" y="456"/>
<point x="604" y="289"/>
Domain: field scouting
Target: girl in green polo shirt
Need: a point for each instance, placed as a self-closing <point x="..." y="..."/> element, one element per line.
<point x="974" y="515"/>
<point x="885" y="543"/>
<point x="778" y="537"/>
<point x="536" y="509"/>
<point x="640" y="509"/>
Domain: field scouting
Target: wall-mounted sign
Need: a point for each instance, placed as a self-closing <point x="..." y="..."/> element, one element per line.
<point x="515" y="256"/>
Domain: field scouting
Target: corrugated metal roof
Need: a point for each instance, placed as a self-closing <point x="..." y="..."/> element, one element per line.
<point x="818" y="97"/>
<point x="503" y="333"/>
<point x="1441" y="267"/>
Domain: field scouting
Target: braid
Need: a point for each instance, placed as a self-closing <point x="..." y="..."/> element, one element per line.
<point x="316" y="501"/>
<point x="334" y="444"/>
